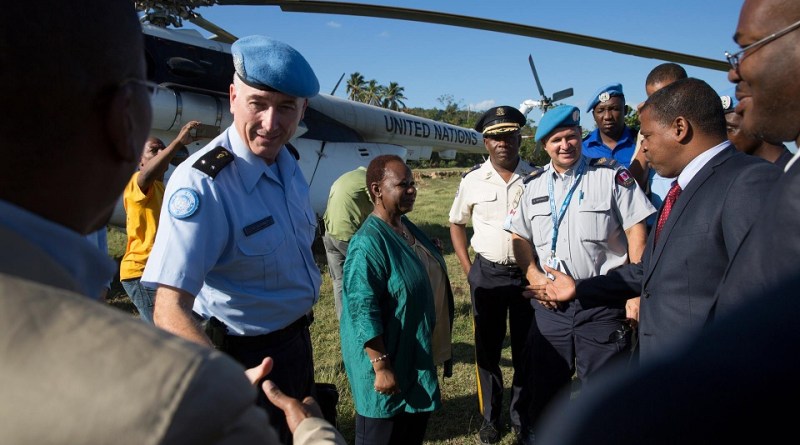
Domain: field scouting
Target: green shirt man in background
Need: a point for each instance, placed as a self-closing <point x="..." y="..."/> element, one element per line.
<point x="348" y="207"/>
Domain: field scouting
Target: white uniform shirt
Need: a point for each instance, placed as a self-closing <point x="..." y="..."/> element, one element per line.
<point x="486" y="198"/>
<point x="591" y="237"/>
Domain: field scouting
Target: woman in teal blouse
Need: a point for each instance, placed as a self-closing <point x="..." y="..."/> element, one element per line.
<point x="388" y="314"/>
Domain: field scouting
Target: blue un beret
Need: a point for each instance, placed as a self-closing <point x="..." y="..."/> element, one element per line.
<point x="604" y="94"/>
<point x="557" y="117"/>
<point x="269" y="64"/>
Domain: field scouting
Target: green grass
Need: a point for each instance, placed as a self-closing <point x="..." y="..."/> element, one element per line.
<point x="458" y="420"/>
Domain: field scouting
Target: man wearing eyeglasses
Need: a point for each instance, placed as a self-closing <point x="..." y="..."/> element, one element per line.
<point x="767" y="87"/>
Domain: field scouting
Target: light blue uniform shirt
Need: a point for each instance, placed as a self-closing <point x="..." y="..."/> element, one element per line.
<point x="255" y="281"/>
<point x="91" y="268"/>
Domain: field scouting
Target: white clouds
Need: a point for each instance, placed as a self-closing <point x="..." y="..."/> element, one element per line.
<point x="482" y="105"/>
<point x="333" y="24"/>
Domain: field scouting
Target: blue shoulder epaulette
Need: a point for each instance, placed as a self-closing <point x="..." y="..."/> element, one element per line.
<point x="214" y="161"/>
<point x="604" y="162"/>
<point x="475" y="167"/>
<point x="532" y="175"/>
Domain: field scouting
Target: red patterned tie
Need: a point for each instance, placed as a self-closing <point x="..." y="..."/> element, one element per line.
<point x="672" y="196"/>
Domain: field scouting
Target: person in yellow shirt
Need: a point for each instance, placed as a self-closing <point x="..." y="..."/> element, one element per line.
<point x="142" y="199"/>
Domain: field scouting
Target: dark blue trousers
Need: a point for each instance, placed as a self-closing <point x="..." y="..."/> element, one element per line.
<point x="496" y="292"/>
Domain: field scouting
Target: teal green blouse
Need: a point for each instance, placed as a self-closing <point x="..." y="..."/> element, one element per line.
<point x="386" y="291"/>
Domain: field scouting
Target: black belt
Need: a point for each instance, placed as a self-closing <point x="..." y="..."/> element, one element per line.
<point x="271" y="339"/>
<point x="508" y="267"/>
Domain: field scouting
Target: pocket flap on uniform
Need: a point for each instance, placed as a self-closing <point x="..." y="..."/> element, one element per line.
<point x="595" y="206"/>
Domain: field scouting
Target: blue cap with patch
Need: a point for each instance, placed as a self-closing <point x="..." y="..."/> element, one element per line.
<point x="604" y="94"/>
<point x="557" y="117"/>
<point x="268" y="64"/>
<point x="728" y="98"/>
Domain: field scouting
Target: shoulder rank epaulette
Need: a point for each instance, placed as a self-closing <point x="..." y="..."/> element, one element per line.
<point x="293" y="151"/>
<point x="533" y="175"/>
<point x="604" y="162"/>
<point x="214" y="161"/>
<point x="475" y="167"/>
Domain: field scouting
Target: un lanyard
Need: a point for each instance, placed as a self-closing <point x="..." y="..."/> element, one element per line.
<point x="557" y="218"/>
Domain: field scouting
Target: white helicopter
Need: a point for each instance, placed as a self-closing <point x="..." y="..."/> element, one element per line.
<point x="336" y="135"/>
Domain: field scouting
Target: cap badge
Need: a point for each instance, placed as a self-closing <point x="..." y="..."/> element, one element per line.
<point x="726" y="102"/>
<point x="576" y="115"/>
<point x="501" y="111"/>
<point x="604" y="96"/>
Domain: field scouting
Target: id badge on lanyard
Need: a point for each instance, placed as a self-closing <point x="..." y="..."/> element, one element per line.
<point x="553" y="261"/>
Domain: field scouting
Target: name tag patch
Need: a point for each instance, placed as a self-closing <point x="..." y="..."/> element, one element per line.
<point x="538" y="200"/>
<point x="258" y="225"/>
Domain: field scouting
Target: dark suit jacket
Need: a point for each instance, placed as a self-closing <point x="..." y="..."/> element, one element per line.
<point x="728" y="386"/>
<point x="770" y="253"/>
<point x="679" y="274"/>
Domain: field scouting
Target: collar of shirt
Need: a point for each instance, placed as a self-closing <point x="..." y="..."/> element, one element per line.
<point x="699" y="162"/>
<point x="90" y="268"/>
<point x="569" y="173"/>
<point x="594" y="138"/>
<point x="251" y="167"/>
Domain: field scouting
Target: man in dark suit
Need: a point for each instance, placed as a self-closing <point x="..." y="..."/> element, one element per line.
<point x="768" y="91"/>
<point x="705" y="216"/>
<point x="731" y="384"/>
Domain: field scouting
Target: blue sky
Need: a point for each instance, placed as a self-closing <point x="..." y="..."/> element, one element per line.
<point x="480" y="69"/>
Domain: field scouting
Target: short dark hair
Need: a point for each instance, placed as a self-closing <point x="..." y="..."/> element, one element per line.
<point x="377" y="170"/>
<point x="691" y="98"/>
<point x="666" y="73"/>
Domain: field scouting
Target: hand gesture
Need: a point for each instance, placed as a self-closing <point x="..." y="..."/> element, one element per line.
<point x="294" y="410"/>
<point x="185" y="135"/>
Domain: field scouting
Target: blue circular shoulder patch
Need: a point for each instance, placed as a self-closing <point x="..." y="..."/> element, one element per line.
<point x="183" y="203"/>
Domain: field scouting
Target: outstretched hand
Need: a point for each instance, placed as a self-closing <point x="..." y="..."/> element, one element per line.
<point x="293" y="409"/>
<point x="258" y="372"/>
<point x="560" y="288"/>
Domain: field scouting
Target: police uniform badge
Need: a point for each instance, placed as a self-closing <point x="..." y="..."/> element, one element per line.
<point x="624" y="178"/>
<point x="603" y="97"/>
<point x="183" y="203"/>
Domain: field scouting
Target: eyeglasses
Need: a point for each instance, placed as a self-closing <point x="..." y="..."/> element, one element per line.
<point x="736" y="57"/>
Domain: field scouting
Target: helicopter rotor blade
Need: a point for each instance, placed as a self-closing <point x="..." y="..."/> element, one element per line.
<point x="337" y="85"/>
<point x="563" y="94"/>
<point x="419" y="15"/>
<point x="220" y="35"/>
<point x="536" y="77"/>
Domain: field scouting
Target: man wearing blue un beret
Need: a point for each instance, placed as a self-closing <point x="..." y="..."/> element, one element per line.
<point x="583" y="217"/>
<point x="233" y="248"/>
<point x="612" y="138"/>
<point x="751" y="144"/>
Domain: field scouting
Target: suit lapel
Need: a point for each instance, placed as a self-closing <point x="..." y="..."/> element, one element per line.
<point x="680" y="205"/>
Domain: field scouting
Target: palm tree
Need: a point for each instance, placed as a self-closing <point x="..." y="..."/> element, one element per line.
<point x="355" y="86"/>
<point x="373" y="93"/>
<point x="393" y="97"/>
